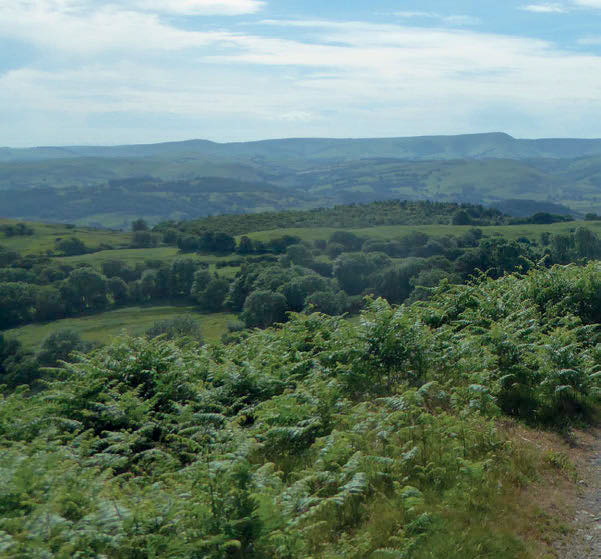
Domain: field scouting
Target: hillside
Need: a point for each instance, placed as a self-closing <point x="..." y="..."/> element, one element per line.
<point x="112" y="185"/>
<point x="490" y="145"/>
<point x="321" y="439"/>
<point x="185" y="193"/>
<point x="108" y="186"/>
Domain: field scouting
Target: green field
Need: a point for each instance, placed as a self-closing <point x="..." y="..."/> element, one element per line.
<point x="134" y="320"/>
<point x="511" y="232"/>
<point x="46" y="234"/>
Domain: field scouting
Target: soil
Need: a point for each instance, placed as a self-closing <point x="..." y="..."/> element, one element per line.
<point x="585" y="539"/>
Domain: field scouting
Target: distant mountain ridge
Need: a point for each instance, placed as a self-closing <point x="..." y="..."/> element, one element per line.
<point x="110" y="185"/>
<point x="495" y="145"/>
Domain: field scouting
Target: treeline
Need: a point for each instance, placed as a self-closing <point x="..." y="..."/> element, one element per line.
<point x="331" y="275"/>
<point x="150" y="197"/>
<point x="321" y="439"/>
<point x="394" y="212"/>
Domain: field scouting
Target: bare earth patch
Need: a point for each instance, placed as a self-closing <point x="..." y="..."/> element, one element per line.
<point x="585" y="540"/>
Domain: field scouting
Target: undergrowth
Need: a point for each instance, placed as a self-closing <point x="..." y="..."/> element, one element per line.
<point x="321" y="439"/>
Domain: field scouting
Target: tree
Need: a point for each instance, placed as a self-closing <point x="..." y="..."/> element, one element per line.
<point x="184" y="326"/>
<point x="17" y="275"/>
<point x="188" y="243"/>
<point x="17" y="303"/>
<point x="224" y="243"/>
<point x="264" y="308"/>
<point x="352" y="270"/>
<point x="85" y="289"/>
<point x="461" y="217"/>
<point x="144" y="239"/>
<point x="118" y="290"/>
<point x="58" y="347"/>
<point x="181" y="276"/>
<point x="334" y="250"/>
<point x="139" y="225"/>
<point x="327" y="302"/>
<point x="7" y="256"/>
<point x="49" y="304"/>
<point x="562" y="247"/>
<point x="348" y="240"/>
<point x="71" y="246"/>
<point x="170" y="236"/>
<point x="17" y="366"/>
<point x="587" y="243"/>
<point x="246" y="245"/>
<point x="427" y="279"/>
<point x="299" y="288"/>
<point x="202" y="278"/>
<point x="394" y="283"/>
<point x="212" y="297"/>
<point x="299" y="255"/>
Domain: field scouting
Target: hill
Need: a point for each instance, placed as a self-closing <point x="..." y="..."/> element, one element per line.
<point x="321" y="439"/>
<point x="64" y="191"/>
<point x="108" y="186"/>
<point x="490" y="145"/>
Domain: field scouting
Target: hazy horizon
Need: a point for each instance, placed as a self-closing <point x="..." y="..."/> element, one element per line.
<point x="184" y="140"/>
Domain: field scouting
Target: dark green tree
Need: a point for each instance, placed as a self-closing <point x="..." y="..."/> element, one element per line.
<point x="118" y="290"/>
<point x="264" y="308"/>
<point x="17" y="303"/>
<point x="139" y="225"/>
<point x="212" y="297"/>
<point x="84" y="289"/>
<point x="49" y="304"/>
<point x="59" y="346"/>
<point x="184" y="326"/>
<point x="71" y="246"/>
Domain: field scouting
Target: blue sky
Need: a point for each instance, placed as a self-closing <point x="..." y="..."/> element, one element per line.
<point x="141" y="71"/>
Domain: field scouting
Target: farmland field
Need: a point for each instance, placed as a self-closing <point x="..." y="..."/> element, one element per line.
<point x="133" y="320"/>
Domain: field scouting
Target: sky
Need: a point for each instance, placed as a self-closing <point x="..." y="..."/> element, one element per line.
<point x="142" y="71"/>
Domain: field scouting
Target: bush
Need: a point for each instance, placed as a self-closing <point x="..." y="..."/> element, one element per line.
<point x="59" y="346"/>
<point x="72" y="246"/>
<point x="184" y="326"/>
<point x="264" y="308"/>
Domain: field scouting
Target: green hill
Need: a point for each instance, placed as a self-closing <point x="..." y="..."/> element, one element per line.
<point x="490" y="145"/>
<point x="322" y="439"/>
<point x="109" y="185"/>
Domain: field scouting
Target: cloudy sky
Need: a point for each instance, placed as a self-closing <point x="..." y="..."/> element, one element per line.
<point x="141" y="71"/>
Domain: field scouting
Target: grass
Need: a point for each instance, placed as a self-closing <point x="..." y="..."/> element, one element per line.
<point x="134" y="320"/>
<point x="386" y="232"/>
<point x="132" y="255"/>
<point x="45" y="235"/>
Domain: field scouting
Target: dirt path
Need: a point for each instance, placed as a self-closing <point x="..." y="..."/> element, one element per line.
<point x="585" y="542"/>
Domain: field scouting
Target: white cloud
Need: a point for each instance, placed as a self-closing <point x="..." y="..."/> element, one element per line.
<point x="588" y="3"/>
<point x="453" y="20"/>
<point x="200" y="7"/>
<point x="409" y="15"/>
<point x="560" y="8"/>
<point x="65" y="26"/>
<point x="545" y="8"/>
<point x="349" y="79"/>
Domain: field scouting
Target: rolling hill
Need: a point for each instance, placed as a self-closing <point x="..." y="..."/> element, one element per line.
<point x="490" y="145"/>
<point x="181" y="180"/>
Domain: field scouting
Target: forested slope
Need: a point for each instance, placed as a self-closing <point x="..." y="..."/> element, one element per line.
<point x="322" y="439"/>
<point x="109" y="186"/>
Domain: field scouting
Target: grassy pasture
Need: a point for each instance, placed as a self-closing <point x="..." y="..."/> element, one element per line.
<point x="133" y="255"/>
<point x="386" y="232"/>
<point x="134" y="320"/>
<point x="45" y="235"/>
